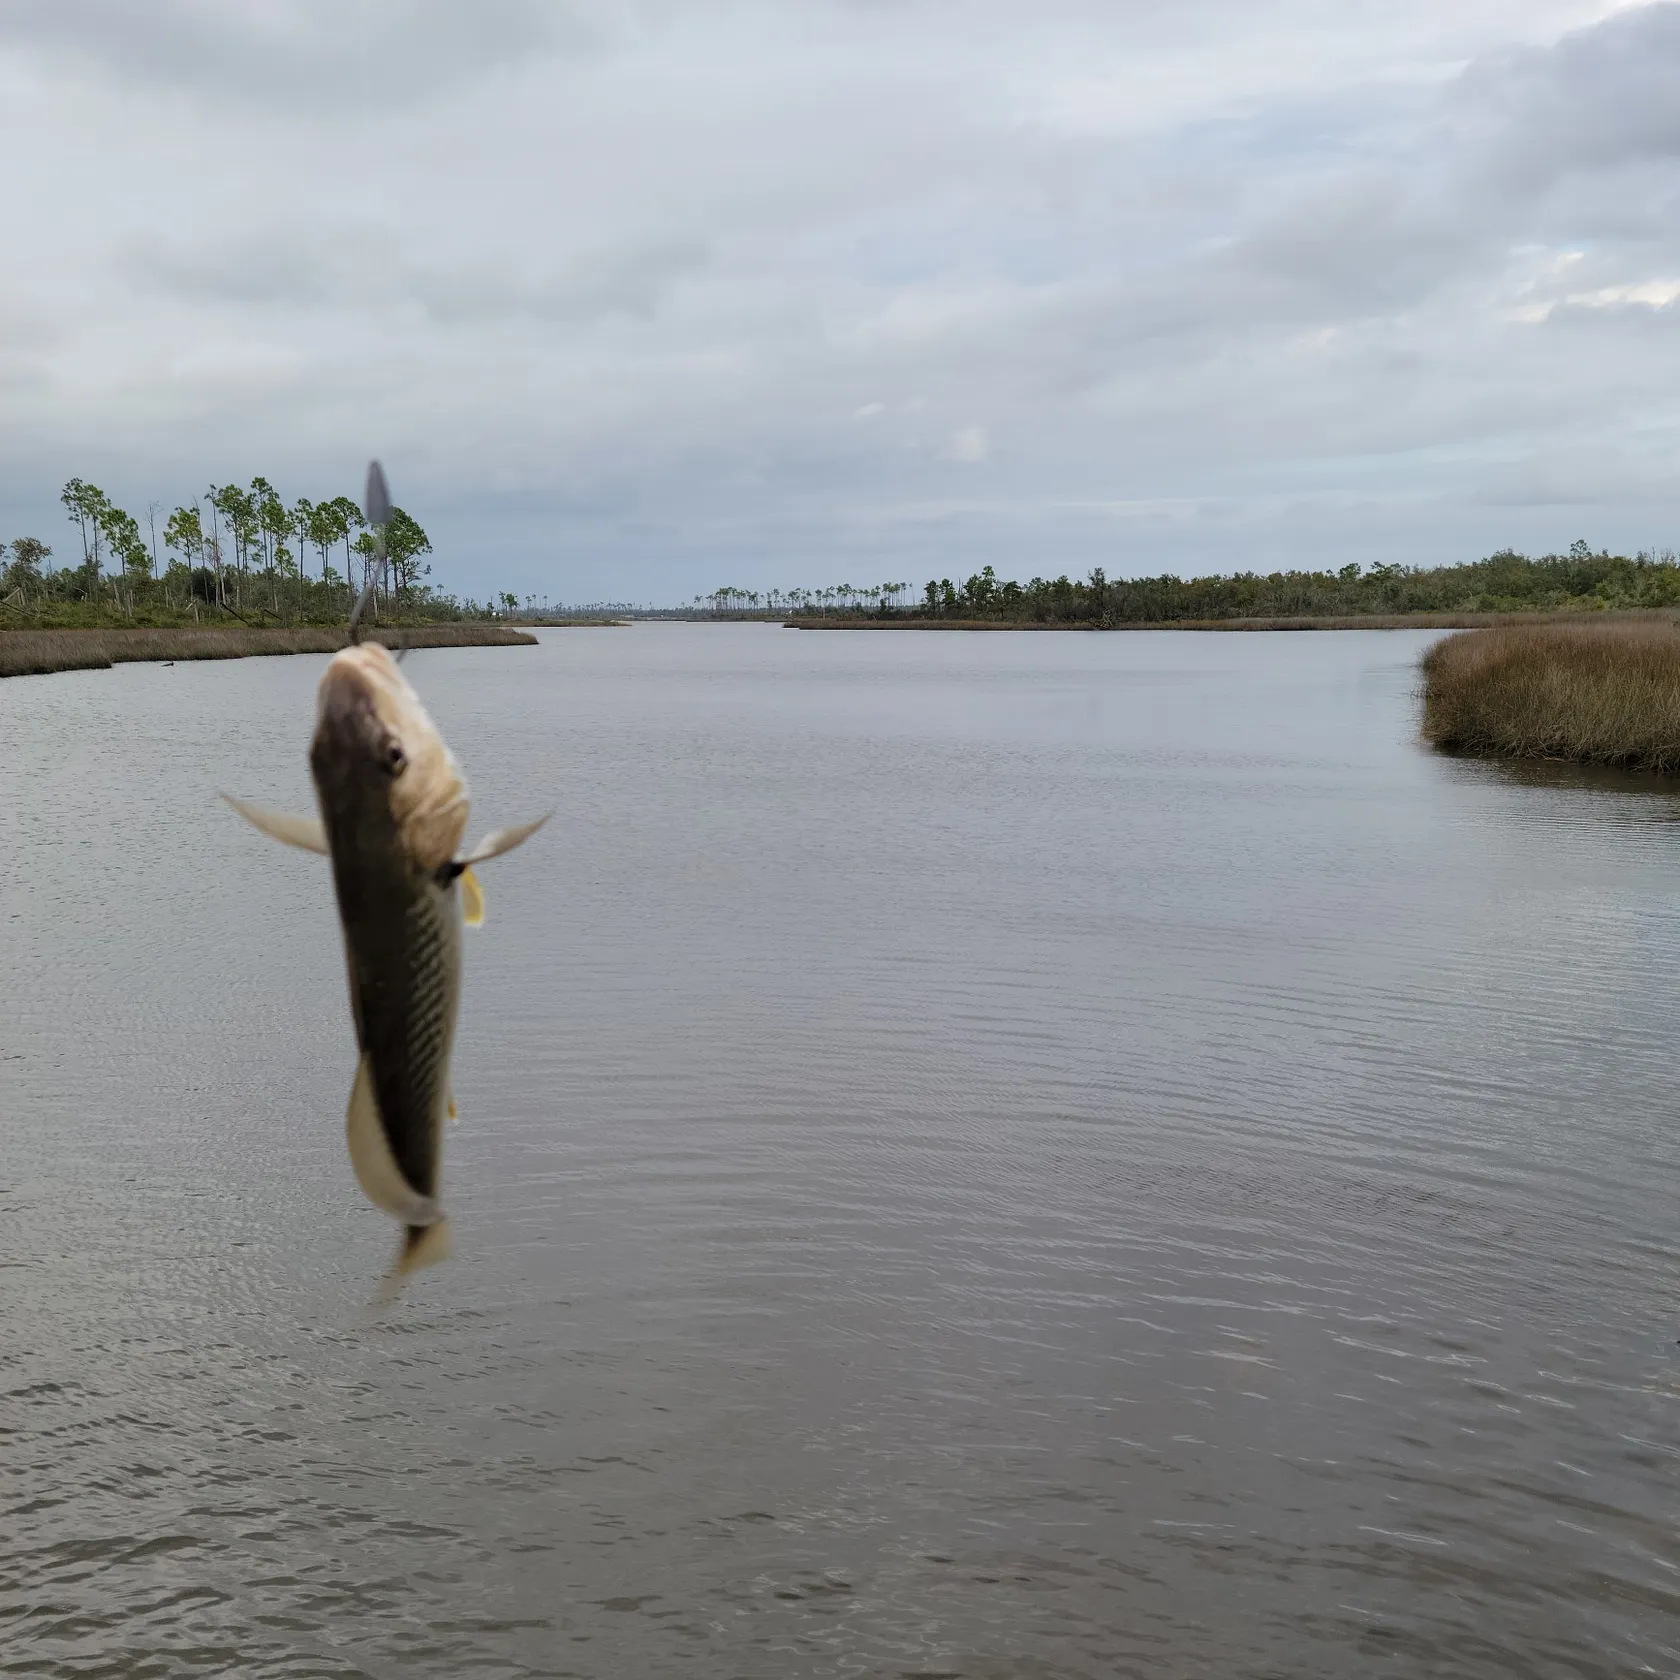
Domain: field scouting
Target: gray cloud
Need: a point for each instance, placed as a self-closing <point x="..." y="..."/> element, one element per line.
<point x="632" y="281"/>
<point x="1600" y="99"/>
<point x="780" y="287"/>
<point x="247" y="271"/>
<point x="358" y="271"/>
<point x="298" y="54"/>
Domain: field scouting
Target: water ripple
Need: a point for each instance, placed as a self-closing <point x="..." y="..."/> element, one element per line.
<point x="1000" y="1156"/>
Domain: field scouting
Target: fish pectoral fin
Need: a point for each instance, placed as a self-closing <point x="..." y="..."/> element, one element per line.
<point x="472" y="899"/>
<point x="500" y="840"/>
<point x="306" y="833"/>
<point x="454" y="1117"/>
<point x="376" y="1167"/>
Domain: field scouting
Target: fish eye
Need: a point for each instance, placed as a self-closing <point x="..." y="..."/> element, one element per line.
<point x="396" y="760"/>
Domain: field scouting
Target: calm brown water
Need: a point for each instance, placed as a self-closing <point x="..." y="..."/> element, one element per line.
<point x="980" y="1156"/>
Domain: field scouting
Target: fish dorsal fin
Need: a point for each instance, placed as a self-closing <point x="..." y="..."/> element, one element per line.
<point x="376" y="1167"/>
<point x="306" y="833"/>
<point x="500" y="840"/>
<point x="472" y="899"/>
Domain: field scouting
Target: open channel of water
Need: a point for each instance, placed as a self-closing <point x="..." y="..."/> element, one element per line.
<point x="980" y="1155"/>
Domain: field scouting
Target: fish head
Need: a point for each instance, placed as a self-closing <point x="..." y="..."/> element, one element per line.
<point x="381" y="768"/>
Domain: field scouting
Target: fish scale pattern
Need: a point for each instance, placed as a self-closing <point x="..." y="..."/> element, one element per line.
<point x="409" y="966"/>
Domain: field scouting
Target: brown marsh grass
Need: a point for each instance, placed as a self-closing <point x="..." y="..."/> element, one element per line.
<point x="1591" y="693"/>
<point x="31" y="652"/>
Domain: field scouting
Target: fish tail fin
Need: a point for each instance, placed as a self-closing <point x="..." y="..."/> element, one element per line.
<point x="422" y="1246"/>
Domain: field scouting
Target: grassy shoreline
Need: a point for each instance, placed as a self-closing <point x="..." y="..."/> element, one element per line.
<point x="38" y="652"/>
<point x="1585" y="693"/>
<point x="1355" y="621"/>
<point x="571" y="623"/>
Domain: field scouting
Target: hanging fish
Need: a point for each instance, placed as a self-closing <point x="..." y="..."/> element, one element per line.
<point x="393" y="813"/>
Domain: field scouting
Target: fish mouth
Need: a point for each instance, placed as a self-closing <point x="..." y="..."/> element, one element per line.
<point x="347" y="711"/>
<point x="376" y="752"/>
<point x="351" y="737"/>
<point x="354" y="679"/>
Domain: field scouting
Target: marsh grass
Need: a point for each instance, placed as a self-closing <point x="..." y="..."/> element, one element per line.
<point x="1590" y="693"/>
<point x="33" y="652"/>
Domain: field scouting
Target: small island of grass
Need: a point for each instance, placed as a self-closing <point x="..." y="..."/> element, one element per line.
<point x="25" y="653"/>
<point x="1590" y="693"/>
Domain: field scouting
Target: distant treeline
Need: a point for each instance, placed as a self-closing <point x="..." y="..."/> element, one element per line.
<point x="1503" y="582"/>
<point x="243" y="553"/>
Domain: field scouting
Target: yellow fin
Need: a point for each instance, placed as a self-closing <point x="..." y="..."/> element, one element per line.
<point x="453" y="1116"/>
<point x="472" y="903"/>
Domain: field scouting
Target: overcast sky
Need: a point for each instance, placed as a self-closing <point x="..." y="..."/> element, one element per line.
<point x="640" y="297"/>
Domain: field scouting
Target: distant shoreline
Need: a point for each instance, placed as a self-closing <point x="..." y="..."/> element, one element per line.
<point x="25" y="653"/>
<point x="1354" y="621"/>
<point x="571" y="623"/>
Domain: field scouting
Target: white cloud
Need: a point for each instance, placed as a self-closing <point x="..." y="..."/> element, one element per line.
<point x="1654" y="294"/>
